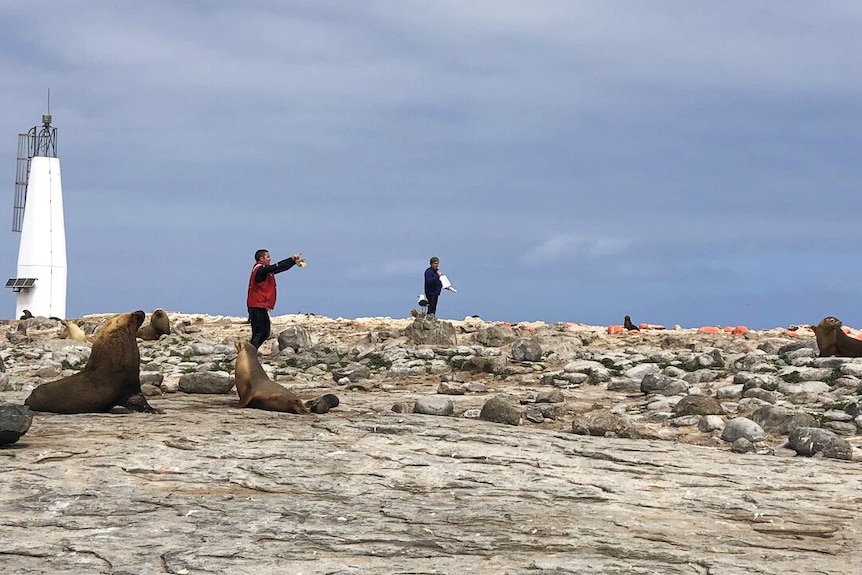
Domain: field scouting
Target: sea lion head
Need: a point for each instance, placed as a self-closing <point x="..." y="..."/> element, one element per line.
<point x="828" y="333"/>
<point x="73" y="331"/>
<point x="159" y="325"/>
<point x="159" y="320"/>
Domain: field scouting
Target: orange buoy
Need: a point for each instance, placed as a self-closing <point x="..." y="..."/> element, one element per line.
<point x="728" y="329"/>
<point x="740" y="330"/>
<point x="711" y="329"/>
<point x="613" y="329"/>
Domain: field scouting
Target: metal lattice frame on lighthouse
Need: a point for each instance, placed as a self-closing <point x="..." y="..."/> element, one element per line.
<point x="38" y="216"/>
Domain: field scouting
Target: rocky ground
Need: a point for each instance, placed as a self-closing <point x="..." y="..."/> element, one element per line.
<point x="458" y="447"/>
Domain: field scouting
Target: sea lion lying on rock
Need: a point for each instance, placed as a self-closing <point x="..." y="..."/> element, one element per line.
<point x="831" y="339"/>
<point x="257" y="390"/>
<point x="112" y="375"/>
<point x="159" y="325"/>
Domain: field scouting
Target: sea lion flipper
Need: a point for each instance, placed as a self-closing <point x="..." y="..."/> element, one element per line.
<point x="138" y="403"/>
<point x="322" y="404"/>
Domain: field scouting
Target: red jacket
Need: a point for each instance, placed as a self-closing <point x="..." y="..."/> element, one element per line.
<point x="261" y="294"/>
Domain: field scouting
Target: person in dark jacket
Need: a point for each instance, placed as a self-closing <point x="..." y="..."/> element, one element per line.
<point x="261" y="292"/>
<point x="433" y="285"/>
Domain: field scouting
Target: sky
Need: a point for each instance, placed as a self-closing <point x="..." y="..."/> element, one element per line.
<point x="684" y="163"/>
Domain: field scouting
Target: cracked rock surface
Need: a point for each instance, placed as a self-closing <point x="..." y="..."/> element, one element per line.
<point x="207" y="487"/>
<point x="210" y="488"/>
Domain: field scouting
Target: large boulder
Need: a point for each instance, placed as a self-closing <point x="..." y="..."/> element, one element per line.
<point x="742" y="427"/>
<point x="426" y="331"/>
<point x="810" y="441"/>
<point x="781" y="420"/>
<point x="500" y="410"/>
<point x="526" y="350"/>
<point x="294" y="337"/>
<point x="15" y="420"/>
<point x="697" y="405"/>
<point x="206" y="382"/>
<point x="604" y="423"/>
<point x="434" y="405"/>
<point x="495" y="336"/>
<point x="663" y="385"/>
<point x="354" y="372"/>
<point x="478" y="364"/>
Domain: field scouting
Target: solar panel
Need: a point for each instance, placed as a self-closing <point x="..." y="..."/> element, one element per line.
<point x="18" y="284"/>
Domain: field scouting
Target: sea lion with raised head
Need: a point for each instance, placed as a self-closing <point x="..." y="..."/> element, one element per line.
<point x="627" y="323"/>
<point x="159" y="325"/>
<point x="831" y="339"/>
<point x="258" y="391"/>
<point x="73" y="331"/>
<point x="111" y="376"/>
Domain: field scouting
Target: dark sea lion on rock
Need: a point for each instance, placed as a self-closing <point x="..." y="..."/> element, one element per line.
<point x="111" y="377"/>
<point x="258" y="391"/>
<point x="627" y="323"/>
<point x="26" y="314"/>
<point x="159" y="325"/>
<point x="831" y="339"/>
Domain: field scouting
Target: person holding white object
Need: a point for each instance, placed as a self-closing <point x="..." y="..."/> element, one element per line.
<point x="433" y="285"/>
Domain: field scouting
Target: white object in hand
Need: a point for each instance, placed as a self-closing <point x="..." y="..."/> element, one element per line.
<point x="447" y="284"/>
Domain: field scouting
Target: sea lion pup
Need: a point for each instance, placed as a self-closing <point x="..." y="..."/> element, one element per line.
<point x="257" y="390"/>
<point x="627" y="323"/>
<point x="73" y="331"/>
<point x="159" y="325"/>
<point x="112" y="375"/>
<point x="831" y="339"/>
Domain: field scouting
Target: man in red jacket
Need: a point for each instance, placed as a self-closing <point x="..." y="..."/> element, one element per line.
<point x="261" y="292"/>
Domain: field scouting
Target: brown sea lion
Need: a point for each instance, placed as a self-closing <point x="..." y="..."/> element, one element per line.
<point x="831" y="339"/>
<point x="159" y="325"/>
<point x="258" y="391"/>
<point x="627" y="323"/>
<point x="111" y="376"/>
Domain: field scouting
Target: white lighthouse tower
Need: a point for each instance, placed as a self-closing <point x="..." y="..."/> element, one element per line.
<point x="38" y="215"/>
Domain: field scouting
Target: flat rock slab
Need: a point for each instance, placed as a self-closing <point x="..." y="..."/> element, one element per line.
<point x="210" y="488"/>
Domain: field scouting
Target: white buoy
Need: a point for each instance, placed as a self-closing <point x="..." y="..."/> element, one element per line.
<point x="41" y="281"/>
